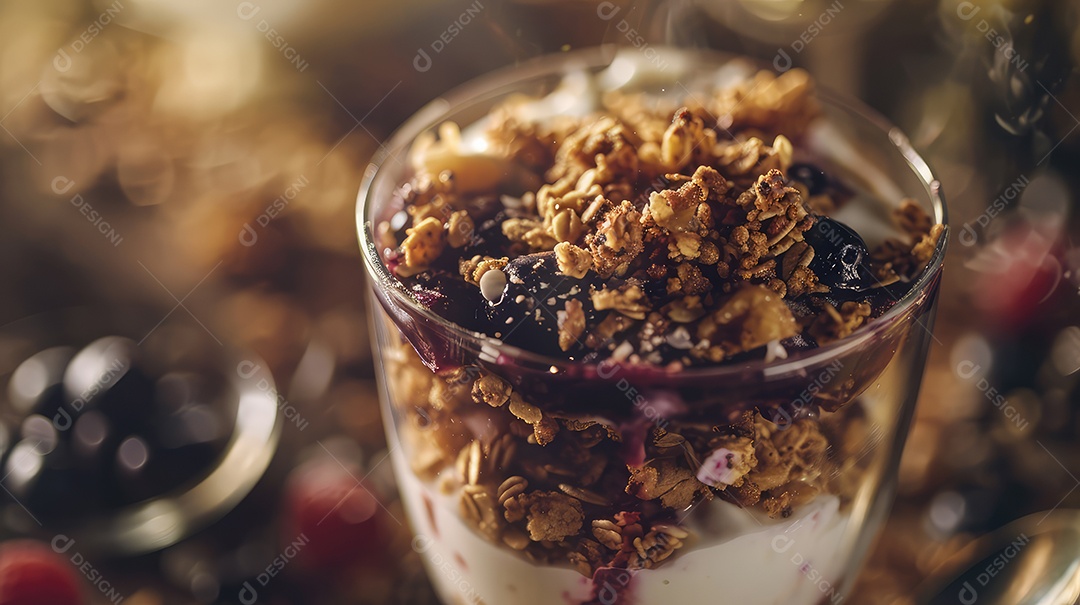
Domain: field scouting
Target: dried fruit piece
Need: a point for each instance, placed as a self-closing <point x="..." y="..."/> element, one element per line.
<point x="728" y="464"/>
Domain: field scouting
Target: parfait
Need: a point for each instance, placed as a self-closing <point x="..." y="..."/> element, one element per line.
<point x="648" y="335"/>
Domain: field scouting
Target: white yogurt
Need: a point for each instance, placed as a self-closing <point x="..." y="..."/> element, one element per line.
<point x="748" y="558"/>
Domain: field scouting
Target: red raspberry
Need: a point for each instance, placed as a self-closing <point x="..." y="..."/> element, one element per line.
<point x="32" y="574"/>
<point x="331" y="518"/>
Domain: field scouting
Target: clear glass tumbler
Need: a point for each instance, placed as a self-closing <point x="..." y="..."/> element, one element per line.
<point x="829" y="422"/>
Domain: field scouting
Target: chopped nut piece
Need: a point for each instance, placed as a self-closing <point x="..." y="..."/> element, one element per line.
<point x="676" y="210"/>
<point x="686" y="135"/>
<point x="459" y="229"/>
<point x="573" y="261"/>
<point x="687" y="245"/>
<point x="492" y="390"/>
<point x="751" y="318"/>
<point x="566" y="225"/>
<point x="684" y="310"/>
<point x="488" y="264"/>
<point x="530" y="232"/>
<point x="571" y="324"/>
<point x="924" y="248"/>
<point x="617" y="240"/>
<point x="528" y="413"/>
<point x="630" y="301"/>
<point x="423" y="244"/>
<point x="784" y="151"/>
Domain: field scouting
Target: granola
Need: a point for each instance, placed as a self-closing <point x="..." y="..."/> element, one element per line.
<point x="694" y="219"/>
<point x="557" y="489"/>
<point x="644" y="235"/>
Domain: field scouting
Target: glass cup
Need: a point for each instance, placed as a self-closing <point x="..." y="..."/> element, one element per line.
<point x="516" y="469"/>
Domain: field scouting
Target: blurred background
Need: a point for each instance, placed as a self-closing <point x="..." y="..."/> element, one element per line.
<point x="197" y="164"/>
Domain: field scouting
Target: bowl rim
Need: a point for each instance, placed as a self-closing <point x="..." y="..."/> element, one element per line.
<point x="165" y="519"/>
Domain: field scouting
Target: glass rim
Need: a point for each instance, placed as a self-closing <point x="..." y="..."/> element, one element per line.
<point x="474" y="90"/>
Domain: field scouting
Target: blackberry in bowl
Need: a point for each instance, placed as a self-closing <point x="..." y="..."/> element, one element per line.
<point x="648" y="336"/>
<point x="124" y="435"/>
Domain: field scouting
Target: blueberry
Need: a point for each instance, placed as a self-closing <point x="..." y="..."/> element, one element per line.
<point x="41" y="477"/>
<point x="489" y="239"/>
<point x="105" y="375"/>
<point x="815" y="179"/>
<point x="187" y="442"/>
<point x="93" y="440"/>
<point x="195" y="424"/>
<point x="36" y="385"/>
<point x="841" y="260"/>
<point x="176" y="390"/>
<point x="136" y="470"/>
<point x="527" y="315"/>
<point x="97" y="432"/>
<point x="449" y="297"/>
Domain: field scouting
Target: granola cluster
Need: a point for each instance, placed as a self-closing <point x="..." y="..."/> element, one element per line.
<point x="684" y="231"/>
<point x="557" y="488"/>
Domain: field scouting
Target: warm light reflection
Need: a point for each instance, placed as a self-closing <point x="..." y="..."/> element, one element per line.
<point x="215" y="72"/>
